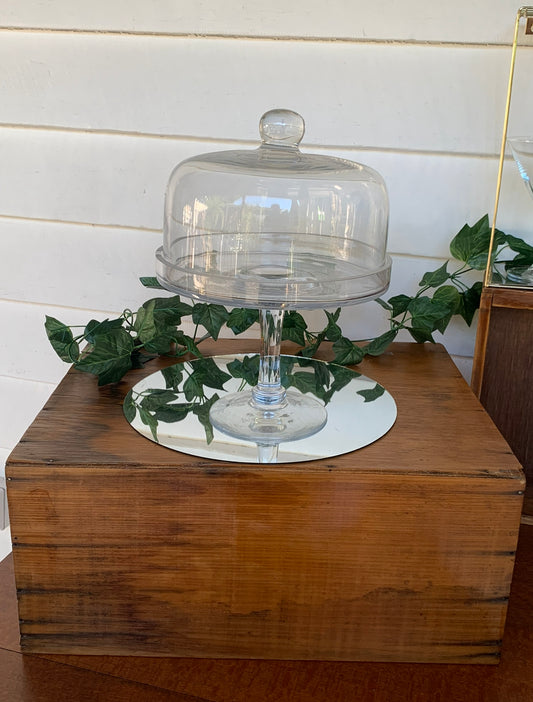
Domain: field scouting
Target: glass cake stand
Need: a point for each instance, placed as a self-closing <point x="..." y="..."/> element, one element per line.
<point x="274" y="229"/>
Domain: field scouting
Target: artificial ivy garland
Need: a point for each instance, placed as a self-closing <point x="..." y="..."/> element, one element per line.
<point x="110" y="348"/>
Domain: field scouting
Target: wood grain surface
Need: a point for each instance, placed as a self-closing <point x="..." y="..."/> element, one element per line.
<point x="402" y="551"/>
<point x="503" y="371"/>
<point x="189" y="680"/>
<point x="438" y="416"/>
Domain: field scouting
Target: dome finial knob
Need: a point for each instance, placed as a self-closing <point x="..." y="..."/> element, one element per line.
<point x="281" y="128"/>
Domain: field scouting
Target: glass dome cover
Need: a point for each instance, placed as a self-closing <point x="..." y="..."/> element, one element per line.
<point x="273" y="227"/>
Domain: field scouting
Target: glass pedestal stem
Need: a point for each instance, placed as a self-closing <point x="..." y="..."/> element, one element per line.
<point x="267" y="453"/>
<point x="268" y="414"/>
<point x="269" y="393"/>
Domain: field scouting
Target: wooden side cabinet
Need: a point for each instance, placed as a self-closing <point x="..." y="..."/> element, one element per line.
<point x="502" y="374"/>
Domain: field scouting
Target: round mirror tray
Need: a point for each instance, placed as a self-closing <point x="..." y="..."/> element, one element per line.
<point x="171" y="407"/>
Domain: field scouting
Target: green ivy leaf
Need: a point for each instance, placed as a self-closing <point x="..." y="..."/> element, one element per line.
<point x="241" y="319"/>
<point x="304" y="382"/>
<point x="168" y="311"/>
<point x="333" y="331"/>
<point x="145" y="322"/>
<point x="294" y="326"/>
<point x="520" y="246"/>
<point x="62" y="340"/>
<point x="333" y="316"/>
<point x="466" y="242"/>
<point x="157" y="398"/>
<point x="426" y="314"/>
<point x="193" y="388"/>
<point x="110" y="357"/>
<point x="205" y="373"/>
<point x="421" y="335"/>
<point x="247" y="369"/>
<point x="342" y="376"/>
<point x="378" y="345"/>
<point x="471" y="244"/>
<point x="189" y="343"/>
<point x="209" y="374"/>
<point x="524" y="251"/>
<point x="172" y="413"/>
<point x="150" y="421"/>
<point x="449" y="296"/>
<point x="212" y="317"/>
<point x="479" y="262"/>
<point x="161" y="343"/>
<point x="399" y="304"/>
<point x="112" y="351"/>
<point x="94" y="328"/>
<point x="470" y="302"/>
<point x="129" y="408"/>
<point x="372" y="393"/>
<point x="347" y="353"/>
<point x="321" y="372"/>
<point x="316" y="380"/>
<point x="138" y="359"/>
<point x="519" y="261"/>
<point x="151" y="282"/>
<point x="311" y="349"/>
<point x="435" y="278"/>
<point x="173" y="376"/>
<point x="202" y="412"/>
<point x="286" y="366"/>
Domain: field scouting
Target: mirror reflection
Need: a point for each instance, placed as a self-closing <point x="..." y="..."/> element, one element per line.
<point x="171" y="407"/>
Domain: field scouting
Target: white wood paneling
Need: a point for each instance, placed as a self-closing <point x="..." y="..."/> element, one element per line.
<point x="5" y="534"/>
<point x="421" y="97"/>
<point x="5" y="543"/>
<point x="474" y="21"/>
<point x="111" y="180"/>
<point x="94" y="268"/>
<point x="4" y="453"/>
<point x="93" y="120"/>
<point x="35" y="360"/>
<point x="21" y="401"/>
<point x="99" y="179"/>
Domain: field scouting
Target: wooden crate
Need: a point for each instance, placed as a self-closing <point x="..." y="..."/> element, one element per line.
<point x="401" y="551"/>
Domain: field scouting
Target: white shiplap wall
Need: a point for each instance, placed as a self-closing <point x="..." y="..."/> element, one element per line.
<point x="100" y="100"/>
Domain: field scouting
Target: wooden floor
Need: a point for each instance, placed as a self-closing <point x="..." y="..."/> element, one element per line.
<point x="35" y="678"/>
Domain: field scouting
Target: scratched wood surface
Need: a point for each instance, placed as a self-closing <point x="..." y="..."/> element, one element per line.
<point x="402" y="551"/>
<point x="63" y="678"/>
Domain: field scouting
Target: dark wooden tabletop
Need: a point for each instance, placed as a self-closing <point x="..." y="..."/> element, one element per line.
<point x="62" y="678"/>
